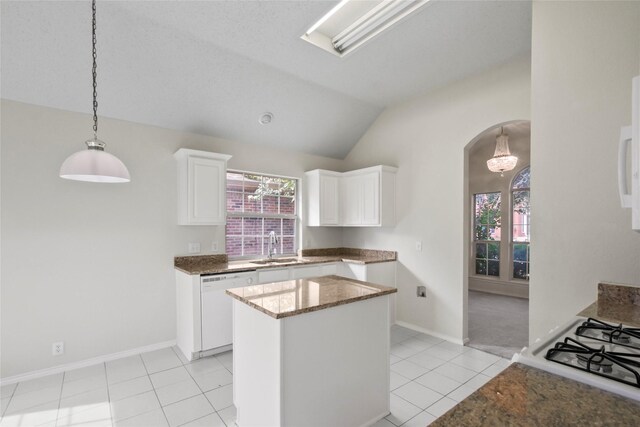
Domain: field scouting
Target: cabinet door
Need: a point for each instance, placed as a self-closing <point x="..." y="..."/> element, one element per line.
<point x="206" y="191"/>
<point x="351" y="196"/>
<point x="329" y="207"/>
<point x="370" y="196"/>
<point x="217" y="323"/>
<point x="329" y="269"/>
<point x="273" y="275"/>
<point x="304" y="272"/>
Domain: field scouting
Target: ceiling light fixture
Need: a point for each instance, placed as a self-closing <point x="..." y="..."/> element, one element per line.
<point x="331" y="34"/>
<point x="502" y="159"/>
<point x="94" y="164"/>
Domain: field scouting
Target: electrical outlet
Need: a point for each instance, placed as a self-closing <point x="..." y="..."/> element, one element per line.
<point x="419" y="245"/>
<point x="194" y="248"/>
<point x="421" y="292"/>
<point x="214" y="246"/>
<point x="57" y="348"/>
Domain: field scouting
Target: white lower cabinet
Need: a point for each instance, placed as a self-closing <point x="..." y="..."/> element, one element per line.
<point x="381" y="273"/>
<point x="273" y="275"/>
<point x="269" y="275"/>
<point x="203" y="310"/>
<point x="305" y="272"/>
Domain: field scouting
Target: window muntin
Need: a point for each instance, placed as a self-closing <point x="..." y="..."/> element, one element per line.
<point x="256" y="205"/>
<point x="487" y="232"/>
<point x="521" y="223"/>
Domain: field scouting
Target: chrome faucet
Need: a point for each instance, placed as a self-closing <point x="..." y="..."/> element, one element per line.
<point x="273" y="240"/>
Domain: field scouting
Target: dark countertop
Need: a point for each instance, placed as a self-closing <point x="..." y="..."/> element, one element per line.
<point x="525" y="396"/>
<point x="616" y="303"/>
<point x="216" y="264"/>
<point x="293" y="297"/>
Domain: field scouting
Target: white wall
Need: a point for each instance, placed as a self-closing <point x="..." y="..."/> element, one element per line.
<point x="90" y="264"/>
<point x="584" y="55"/>
<point x="426" y="139"/>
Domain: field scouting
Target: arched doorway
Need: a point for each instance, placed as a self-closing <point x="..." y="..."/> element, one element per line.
<point x="497" y="243"/>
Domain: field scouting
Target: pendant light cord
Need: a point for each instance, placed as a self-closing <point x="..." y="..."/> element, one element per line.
<point x="95" y="75"/>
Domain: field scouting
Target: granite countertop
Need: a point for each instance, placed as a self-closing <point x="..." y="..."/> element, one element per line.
<point x="525" y="396"/>
<point x="616" y="303"/>
<point x="293" y="297"/>
<point x="216" y="264"/>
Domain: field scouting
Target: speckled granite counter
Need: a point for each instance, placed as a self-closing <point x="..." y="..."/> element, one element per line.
<point x="524" y="396"/>
<point x="293" y="297"/>
<point x="214" y="264"/>
<point x="616" y="303"/>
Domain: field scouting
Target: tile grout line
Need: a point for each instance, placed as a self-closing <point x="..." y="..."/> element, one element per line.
<point x="215" y="411"/>
<point x="13" y="392"/>
<point x="476" y="374"/>
<point x="104" y="366"/>
<point x="64" y="373"/>
<point x="153" y="387"/>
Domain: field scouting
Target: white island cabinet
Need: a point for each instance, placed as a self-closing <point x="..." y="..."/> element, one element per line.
<point x="311" y="352"/>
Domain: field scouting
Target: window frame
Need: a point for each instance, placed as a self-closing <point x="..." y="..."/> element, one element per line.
<point x="512" y="258"/>
<point x="474" y="257"/>
<point x="295" y="216"/>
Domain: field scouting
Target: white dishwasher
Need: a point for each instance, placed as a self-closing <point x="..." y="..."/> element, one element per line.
<point x="217" y="319"/>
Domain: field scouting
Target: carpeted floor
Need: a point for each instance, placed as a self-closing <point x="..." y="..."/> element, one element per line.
<point x="498" y="324"/>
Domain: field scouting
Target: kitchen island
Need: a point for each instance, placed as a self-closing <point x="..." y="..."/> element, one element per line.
<point x="311" y="352"/>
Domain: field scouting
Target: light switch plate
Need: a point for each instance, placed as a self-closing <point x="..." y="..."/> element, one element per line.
<point x="214" y="246"/>
<point x="419" y="245"/>
<point x="194" y="248"/>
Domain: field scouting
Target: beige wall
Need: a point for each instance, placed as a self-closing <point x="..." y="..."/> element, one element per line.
<point x="482" y="180"/>
<point x="584" y="55"/>
<point x="426" y="138"/>
<point x="91" y="264"/>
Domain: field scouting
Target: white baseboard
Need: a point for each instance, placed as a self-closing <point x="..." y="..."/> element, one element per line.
<point x="84" y="363"/>
<point x="430" y="332"/>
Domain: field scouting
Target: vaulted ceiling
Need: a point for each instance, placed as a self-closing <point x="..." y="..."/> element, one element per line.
<point x="213" y="67"/>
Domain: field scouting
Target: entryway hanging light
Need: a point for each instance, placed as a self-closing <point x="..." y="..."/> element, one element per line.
<point x="502" y="159"/>
<point x="94" y="164"/>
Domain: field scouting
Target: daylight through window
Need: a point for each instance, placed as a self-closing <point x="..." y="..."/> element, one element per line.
<point x="256" y="205"/>
<point x="487" y="232"/>
<point x="521" y="223"/>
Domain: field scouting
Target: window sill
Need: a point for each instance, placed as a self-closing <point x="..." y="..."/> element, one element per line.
<point x="517" y="282"/>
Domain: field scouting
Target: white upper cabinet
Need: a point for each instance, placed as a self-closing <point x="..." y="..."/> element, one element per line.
<point x="201" y="187"/>
<point x="323" y="198"/>
<point x="360" y="198"/>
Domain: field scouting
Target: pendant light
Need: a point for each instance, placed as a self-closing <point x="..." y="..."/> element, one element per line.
<point x="94" y="164"/>
<point x="502" y="159"/>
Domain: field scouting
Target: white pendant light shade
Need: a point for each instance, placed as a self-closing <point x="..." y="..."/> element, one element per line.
<point x="502" y="159"/>
<point x="94" y="165"/>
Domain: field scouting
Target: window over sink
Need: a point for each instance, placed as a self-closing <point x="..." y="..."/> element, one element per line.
<point x="256" y="205"/>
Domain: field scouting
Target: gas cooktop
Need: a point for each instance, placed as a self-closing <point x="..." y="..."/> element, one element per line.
<point x="591" y="351"/>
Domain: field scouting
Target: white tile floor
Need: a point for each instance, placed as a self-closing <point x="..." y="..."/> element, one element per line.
<point x="428" y="377"/>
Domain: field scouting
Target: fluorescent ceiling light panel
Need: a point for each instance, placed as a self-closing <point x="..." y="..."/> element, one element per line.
<point x="351" y="23"/>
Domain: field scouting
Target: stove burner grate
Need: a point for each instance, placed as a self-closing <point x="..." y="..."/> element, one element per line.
<point x="595" y="363"/>
<point x="613" y="365"/>
<point x="605" y="332"/>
